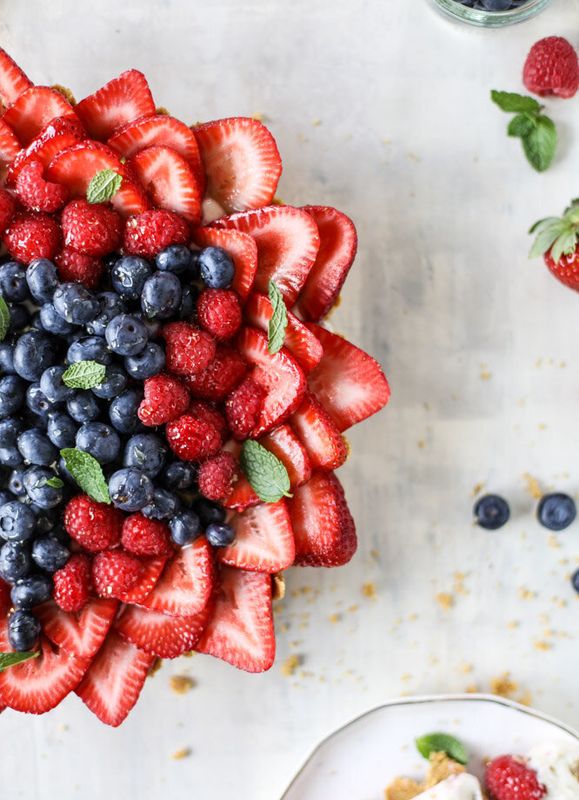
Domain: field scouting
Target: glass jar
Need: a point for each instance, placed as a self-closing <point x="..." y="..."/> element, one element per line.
<point x="491" y="19"/>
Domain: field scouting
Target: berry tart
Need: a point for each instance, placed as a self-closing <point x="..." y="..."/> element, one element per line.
<point x="172" y="408"/>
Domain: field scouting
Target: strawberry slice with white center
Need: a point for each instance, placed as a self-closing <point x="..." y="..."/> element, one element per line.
<point x="124" y="99"/>
<point x="76" y="166"/>
<point x="34" y="109"/>
<point x="79" y="634"/>
<point x="147" y="581"/>
<point x="338" y="244"/>
<point x="324" y="444"/>
<point x="348" y="382"/>
<point x="13" y="81"/>
<point x="278" y="374"/>
<point x="287" y="244"/>
<point x="284" y="444"/>
<point x="9" y="144"/>
<point x="159" y="634"/>
<point x="59" y="134"/>
<point x="300" y="341"/>
<point x="241" y="161"/>
<point x="325" y="533"/>
<point x="264" y="540"/>
<point x="40" y="684"/>
<point x="185" y="586"/>
<point x="241" y="628"/>
<point x="112" y="685"/>
<point x="169" y="180"/>
<point x="241" y="248"/>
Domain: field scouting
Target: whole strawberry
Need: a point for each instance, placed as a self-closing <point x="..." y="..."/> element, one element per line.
<point x="552" y="67"/>
<point x="557" y="240"/>
<point x="509" y="778"/>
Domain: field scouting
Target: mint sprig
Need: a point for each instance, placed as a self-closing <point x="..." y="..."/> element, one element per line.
<point x="55" y="482"/>
<point x="87" y="472"/>
<point x="536" y="131"/>
<point x="267" y="475"/>
<point x="4" y="318"/>
<point x="442" y="743"/>
<point x="11" y="659"/>
<point x="103" y="186"/>
<point x="84" y="375"/>
<point x="557" y="235"/>
<point x="278" y="322"/>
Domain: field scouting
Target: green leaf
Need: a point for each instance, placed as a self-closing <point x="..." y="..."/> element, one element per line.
<point x="267" y="475"/>
<point x="4" y="318"/>
<point x="543" y="224"/>
<point x="103" y="186"/>
<point x="540" y="144"/>
<point x="546" y="237"/>
<point x="84" y="375"/>
<point x="278" y="322"/>
<point x="55" y="482"/>
<point x="566" y="243"/>
<point x="521" y="125"/>
<point x="87" y="472"/>
<point x="442" y="743"/>
<point x="514" y="103"/>
<point x="11" y="659"/>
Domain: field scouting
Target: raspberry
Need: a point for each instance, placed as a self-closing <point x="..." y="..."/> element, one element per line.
<point x="217" y="476"/>
<point x="93" y="525"/>
<point x="92" y="229"/>
<point x="32" y="235"/>
<point x="243" y="407"/>
<point x="37" y="194"/>
<point x="115" y="572"/>
<point x="219" y="312"/>
<point x="210" y="414"/>
<point x="73" y="266"/>
<point x="151" y="231"/>
<point x="192" y="439"/>
<point x="72" y="583"/>
<point x="146" y="537"/>
<point x="221" y="376"/>
<point x="166" y="398"/>
<point x="187" y="349"/>
<point x="552" y="67"/>
<point x="7" y="209"/>
<point x="509" y="778"/>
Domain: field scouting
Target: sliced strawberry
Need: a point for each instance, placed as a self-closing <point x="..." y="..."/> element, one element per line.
<point x="278" y="373"/>
<point x="40" y="684"/>
<point x="185" y="586"/>
<point x="13" y="81"/>
<point x="79" y="634"/>
<point x="287" y="244"/>
<point x="348" y="382"/>
<point x="122" y="100"/>
<point x="241" y="161"/>
<point x="264" y="540"/>
<point x="300" y="341"/>
<point x="34" y="109"/>
<point x="160" y="634"/>
<point x="147" y="582"/>
<point x="169" y="180"/>
<point x="283" y="443"/>
<point x="112" y="685"/>
<point x="338" y="244"/>
<point x="242" y="496"/>
<point x="242" y="249"/>
<point x="9" y="144"/>
<point x="77" y="165"/>
<point x="59" y="134"/>
<point x="241" y="628"/>
<point x="325" y="534"/>
<point x="324" y="444"/>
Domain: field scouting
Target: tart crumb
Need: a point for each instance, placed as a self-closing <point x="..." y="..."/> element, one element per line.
<point x="444" y="600"/>
<point x="181" y="684"/>
<point x="526" y="594"/>
<point x="155" y="667"/>
<point x="477" y="489"/>
<point x="533" y="486"/>
<point x="369" y="590"/>
<point x="278" y="586"/>
<point x="290" y="665"/>
<point x="402" y="789"/>
<point x="65" y="92"/>
<point x="542" y="645"/>
<point x="503" y="686"/>
<point x="183" y="752"/>
<point x="334" y="618"/>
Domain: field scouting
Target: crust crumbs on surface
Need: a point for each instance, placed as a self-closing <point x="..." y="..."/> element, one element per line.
<point x="183" y="752"/>
<point x="526" y="594"/>
<point x="65" y="92"/>
<point x="369" y="590"/>
<point x="477" y="489"/>
<point x="155" y="667"/>
<point x="181" y="684"/>
<point x="162" y="111"/>
<point x="440" y="768"/>
<point x="444" y="600"/>
<point x="542" y="645"/>
<point x="335" y="618"/>
<point x="402" y="789"/>
<point x="278" y="586"/>
<point x="533" y="486"/>
<point x="290" y="665"/>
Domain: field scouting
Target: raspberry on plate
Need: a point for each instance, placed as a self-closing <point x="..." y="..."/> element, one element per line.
<point x="72" y="583"/>
<point x="166" y="398"/>
<point x="32" y="235"/>
<point x="36" y="193"/>
<point x="219" y="312"/>
<point x="188" y="350"/>
<point x="221" y="377"/>
<point x="151" y="231"/>
<point x="93" y="525"/>
<point x="217" y="476"/>
<point x="91" y="228"/>
<point x="243" y="408"/>
<point x="74" y="266"/>
<point x="115" y="572"/>
<point x="509" y="778"/>
<point x="145" y="537"/>
<point x="193" y="439"/>
<point x="552" y="67"/>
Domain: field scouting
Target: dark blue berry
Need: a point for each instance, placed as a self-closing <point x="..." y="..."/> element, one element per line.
<point x="14" y="561"/>
<point x="175" y="258"/>
<point x="111" y="305"/>
<point x="83" y="406"/>
<point x="36" y="448"/>
<point x="52" y="322"/>
<point x="53" y="387"/>
<point x="38" y="490"/>
<point x="161" y="295"/>
<point x="75" y="303"/>
<point x="179" y="475"/>
<point x="20" y="317"/>
<point x="89" y="348"/>
<point x="185" y="526"/>
<point x="61" y="430"/>
<point x="12" y="395"/>
<point x="147" y="452"/>
<point x="556" y="511"/>
<point x="115" y="382"/>
<point x="164" y="505"/>
<point x="37" y="402"/>
<point x="100" y="440"/>
<point x="123" y="410"/>
<point x="6" y="358"/>
<point x="49" y="553"/>
<point x="188" y="302"/>
<point x="16" y="482"/>
<point x="23" y="631"/>
<point x="219" y="534"/>
<point x="216" y="267"/>
<point x="209" y="513"/>
<point x="32" y="591"/>
<point x="17" y="522"/>
<point x="128" y="276"/>
<point x="575" y="581"/>
<point x="496" y="5"/>
<point x="13" y="284"/>
<point x="491" y="512"/>
<point x="45" y="520"/>
<point x="34" y="352"/>
<point x="126" y="335"/>
<point x="147" y="363"/>
<point x="10" y="455"/>
<point x="130" y="489"/>
<point x="42" y="279"/>
<point x="5" y="496"/>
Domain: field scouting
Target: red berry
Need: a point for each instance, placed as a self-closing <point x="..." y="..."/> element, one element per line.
<point x="92" y="229"/>
<point x="221" y="376"/>
<point x="151" y="231"/>
<point x="193" y="439"/>
<point x="146" y="537"/>
<point x="219" y="312"/>
<point x="72" y="583"/>
<point x="509" y="778"/>
<point x="32" y="235"/>
<point x="115" y="572"/>
<point x="208" y="412"/>
<point x="37" y="194"/>
<point x="552" y="67"/>
<point x="187" y="349"/>
<point x="73" y="266"/>
<point x="243" y="408"/>
<point x="93" y="525"/>
<point x="166" y="398"/>
<point x="7" y="209"/>
<point x="217" y="476"/>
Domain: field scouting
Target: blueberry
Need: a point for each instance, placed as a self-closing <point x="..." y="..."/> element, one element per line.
<point x="128" y="276"/>
<point x="10" y="455"/>
<point x="179" y="475"/>
<point x="130" y="489"/>
<point x="491" y="512"/>
<point x="575" y="581"/>
<point x="89" y="348"/>
<point x="153" y="326"/>
<point x="164" y="505"/>
<point x="185" y="526"/>
<point x="6" y="358"/>
<point x="123" y="410"/>
<point x="216" y="266"/>
<point x="114" y="383"/>
<point x="39" y="492"/>
<point x="42" y="279"/>
<point x="147" y="452"/>
<point x="16" y="482"/>
<point x="52" y="322"/>
<point x="19" y="317"/>
<point x="17" y="522"/>
<point x="51" y="383"/>
<point x="14" y="562"/>
<point x="12" y="394"/>
<point x="5" y="496"/>
<point x="34" y="352"/>
<point x="188" y="305"/>
<point x="496" y="5"/>
<point x="111" y="305"/>
<point x="147" y="363"/>
<point x="45" y="520"/>
<point x="219" y="534"/>
<point x="75" y="303"/>
<point x="37" y="402"/>
<point x="126" y="335"/>
<point x="175" y="258"/>
<point x="36" y="448"/>
<point x="23" y="631"/>
<point x="556" y="511"/>
<point x="209" y="513"/>
<point x="83" y="406"/>
<point x="161" y="295"/>
<point x="13" y="284"/>
<point x="61" y="430"/>
<point x="49" y="554"/>
<point x="36" y="322"/>
<point x="32" y="591"/>
<point x="100" y="440"/>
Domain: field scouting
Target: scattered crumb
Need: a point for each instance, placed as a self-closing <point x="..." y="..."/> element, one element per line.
<point x="553" y="541"/>
<point x="445" y="600"/>
<point x="472" y="688"/>
<point x="290" y="665"/>
<point x="278" y="586"/>
<point x="503" y="686"/>
<point x="459" y="579"/>
<point x="406" y="677"/>
<point x="260" y="117"/>
<point x="542" y="645"/>
<point x="526" y="698"/>
<point x="62" y="727"/>
<point x="353" y="609"/>
<point x="369" y="591"/>
<point x="65" y="92"/>
<point x="316" y="123"/>
<point x="421" y="444"/>
<point x="526" y="594"/>
<point x="375" y="555"/>
<point x="181" y="684"/>
<point x="155" y="667"/>
<point x="533" y="486"/>
<point x="465" y="668"/>
<point x="513" y="624"/>
<point x="179" y="755"/>
<point x="477" y="489"/>
<point x="334" y="618"/>
<point x="485" y="374"/>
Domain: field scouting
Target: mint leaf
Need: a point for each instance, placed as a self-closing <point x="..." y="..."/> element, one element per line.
<point x="515" y="103"/>
<point x="267" y="475"/>
<point x="442" y="743"/>
<point x="55" y="482"/>
<point x="11" y="659"/>
<point x="278" y="322"/>
<point x="546" y="237"/>
<point x="521" y="125"/>
<point x="4" y="318"/>
<point x="565" y="243"/>
<point x="103" y="186"/>
<point x="540" y="143"/>
<point x="84" y="375"/>
<point x="87" y="472"/>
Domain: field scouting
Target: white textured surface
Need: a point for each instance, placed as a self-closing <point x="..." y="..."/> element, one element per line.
<point x="409" y="144"/>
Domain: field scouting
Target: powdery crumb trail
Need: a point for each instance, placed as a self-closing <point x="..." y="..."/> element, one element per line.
<point x="533" y="486"/>
<point x="504" y="686"/>
<point x="183" y="752"/>
<point x="542" y="645"/>
<point x="369" y="591"/>
<point x="477" y="489"/>
<point x="290" y="665"/>
<point x="485" y="373"/>
<point x="181" y="684"/>
<point x="444" y="600"/>
<point x="526" y="594"/>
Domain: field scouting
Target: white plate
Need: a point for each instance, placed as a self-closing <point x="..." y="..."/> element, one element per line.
<point x="360" y="759"/>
